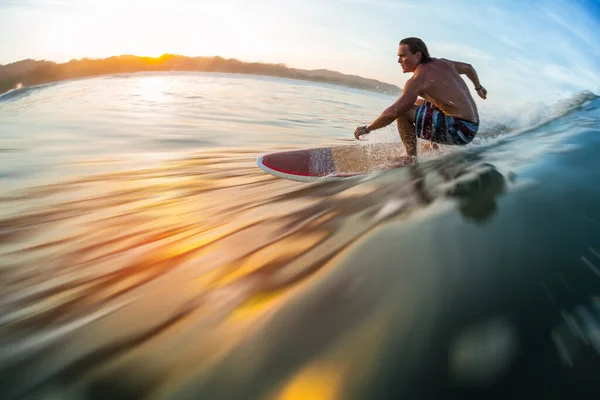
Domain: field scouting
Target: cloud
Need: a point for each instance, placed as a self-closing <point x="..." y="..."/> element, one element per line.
<point x="457" y="51"/>
<point x="580" y="78"/>
<point x="579" y="30"/>
<point x="34" y="3"/>
<point x="509" y="42"/>
<point x="389" y="4"/>
<point x="361" y="43"/>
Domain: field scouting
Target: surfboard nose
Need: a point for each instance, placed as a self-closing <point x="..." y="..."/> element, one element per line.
<point x="316" y="162"/>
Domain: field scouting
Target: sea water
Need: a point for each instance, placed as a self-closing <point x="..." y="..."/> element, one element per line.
<point x="143" y="254"/>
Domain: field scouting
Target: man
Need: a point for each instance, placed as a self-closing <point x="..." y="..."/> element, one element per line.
<point x="447" y="116"/>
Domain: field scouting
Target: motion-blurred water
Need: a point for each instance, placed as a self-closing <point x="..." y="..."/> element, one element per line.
<point x="143" y="254"/>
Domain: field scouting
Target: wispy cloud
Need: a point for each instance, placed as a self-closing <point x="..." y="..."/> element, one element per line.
<point x="509" y="42"/>
<point x="580" y="78"/>
<point x="457" y="51"/>
<point x="361" y="43"/>
<point x="33" y="3"/>
<point x="583" y="32"/>
<point x="388" y="4"/>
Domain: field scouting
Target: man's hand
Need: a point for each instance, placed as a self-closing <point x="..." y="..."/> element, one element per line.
<point x="361" y="130"/>
<point x="482" y="92"/>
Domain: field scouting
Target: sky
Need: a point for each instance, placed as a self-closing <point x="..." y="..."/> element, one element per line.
<point x="523" y="50"/>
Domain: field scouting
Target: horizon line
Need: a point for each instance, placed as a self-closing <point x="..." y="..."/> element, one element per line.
<point x="186" y="56"/>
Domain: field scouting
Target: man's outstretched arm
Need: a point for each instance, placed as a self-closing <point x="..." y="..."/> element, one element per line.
<point x="393" y="112"/>
<point x="400" y="107"/>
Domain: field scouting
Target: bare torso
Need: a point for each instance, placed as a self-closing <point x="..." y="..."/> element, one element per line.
<point x="440" y="83"/>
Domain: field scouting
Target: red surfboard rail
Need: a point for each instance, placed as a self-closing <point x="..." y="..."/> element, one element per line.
<point x="332" y="162"/>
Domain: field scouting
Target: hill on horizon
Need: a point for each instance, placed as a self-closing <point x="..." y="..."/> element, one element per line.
<point x="31" y="72"/>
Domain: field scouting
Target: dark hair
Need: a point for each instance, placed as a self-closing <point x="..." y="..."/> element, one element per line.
<point x="415" y="44"/>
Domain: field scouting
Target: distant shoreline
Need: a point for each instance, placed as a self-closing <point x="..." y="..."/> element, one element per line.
<point x="33" y="72"/>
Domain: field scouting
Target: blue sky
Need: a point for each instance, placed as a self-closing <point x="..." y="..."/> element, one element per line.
<point x="523" y="50"/>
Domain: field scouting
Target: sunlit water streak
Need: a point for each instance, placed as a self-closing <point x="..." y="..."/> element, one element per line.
<point x="144" y="254"/>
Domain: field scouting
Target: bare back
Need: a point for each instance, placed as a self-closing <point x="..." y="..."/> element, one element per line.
<point x="440" y="83"/>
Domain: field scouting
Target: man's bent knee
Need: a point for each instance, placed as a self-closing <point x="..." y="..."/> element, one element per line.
<point x="411" y="115"/>
<point x="407" y="116"/>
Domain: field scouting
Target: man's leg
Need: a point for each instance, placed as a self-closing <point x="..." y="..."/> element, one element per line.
<point x="406" y="127"/>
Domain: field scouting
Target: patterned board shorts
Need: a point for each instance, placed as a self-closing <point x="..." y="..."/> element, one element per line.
<point x="432" y="124"/>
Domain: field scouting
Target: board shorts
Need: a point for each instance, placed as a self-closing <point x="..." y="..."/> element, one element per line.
<point x="432" y="124"/>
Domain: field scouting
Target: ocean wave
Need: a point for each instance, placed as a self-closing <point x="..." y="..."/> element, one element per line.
<point x="521" y="117"/>
<point x="23" y="91"/>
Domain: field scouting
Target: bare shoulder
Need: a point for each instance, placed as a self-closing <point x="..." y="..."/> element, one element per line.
<point x="447" y="63"/>
<point x="461" y="67"/>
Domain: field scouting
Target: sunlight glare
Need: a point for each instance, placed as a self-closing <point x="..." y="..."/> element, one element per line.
<point x="153" y="88"/>
<point x="152" y="29"/>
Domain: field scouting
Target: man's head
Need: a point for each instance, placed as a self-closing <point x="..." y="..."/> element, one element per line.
<point x="412" y="52"/>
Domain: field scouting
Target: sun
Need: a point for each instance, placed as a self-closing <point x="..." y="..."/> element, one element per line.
<point x="226" y="28"/>
<point x="204" y="28"/>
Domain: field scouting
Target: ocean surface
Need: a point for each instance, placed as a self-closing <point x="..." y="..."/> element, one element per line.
<point x="144" y="255"/>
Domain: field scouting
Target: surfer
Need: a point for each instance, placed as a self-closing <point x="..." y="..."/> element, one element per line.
<point x="445" y="112"/>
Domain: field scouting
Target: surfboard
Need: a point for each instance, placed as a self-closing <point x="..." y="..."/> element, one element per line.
<point x="335" y="162"/>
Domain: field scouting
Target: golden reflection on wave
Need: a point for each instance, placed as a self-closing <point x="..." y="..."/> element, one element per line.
<point x="316" y="381"/>
<point x="187" y="259"/>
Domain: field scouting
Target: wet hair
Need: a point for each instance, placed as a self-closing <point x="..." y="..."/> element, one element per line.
<point x="415" y="44"/>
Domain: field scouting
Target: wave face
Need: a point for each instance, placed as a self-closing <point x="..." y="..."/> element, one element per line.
<point x="143" y="254"/>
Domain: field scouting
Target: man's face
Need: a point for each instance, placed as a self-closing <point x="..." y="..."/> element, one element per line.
<point x="407" y="60"/>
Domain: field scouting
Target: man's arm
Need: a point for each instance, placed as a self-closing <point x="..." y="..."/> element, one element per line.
<point x="468" y="70"/>
<point x="401" y="106"/>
